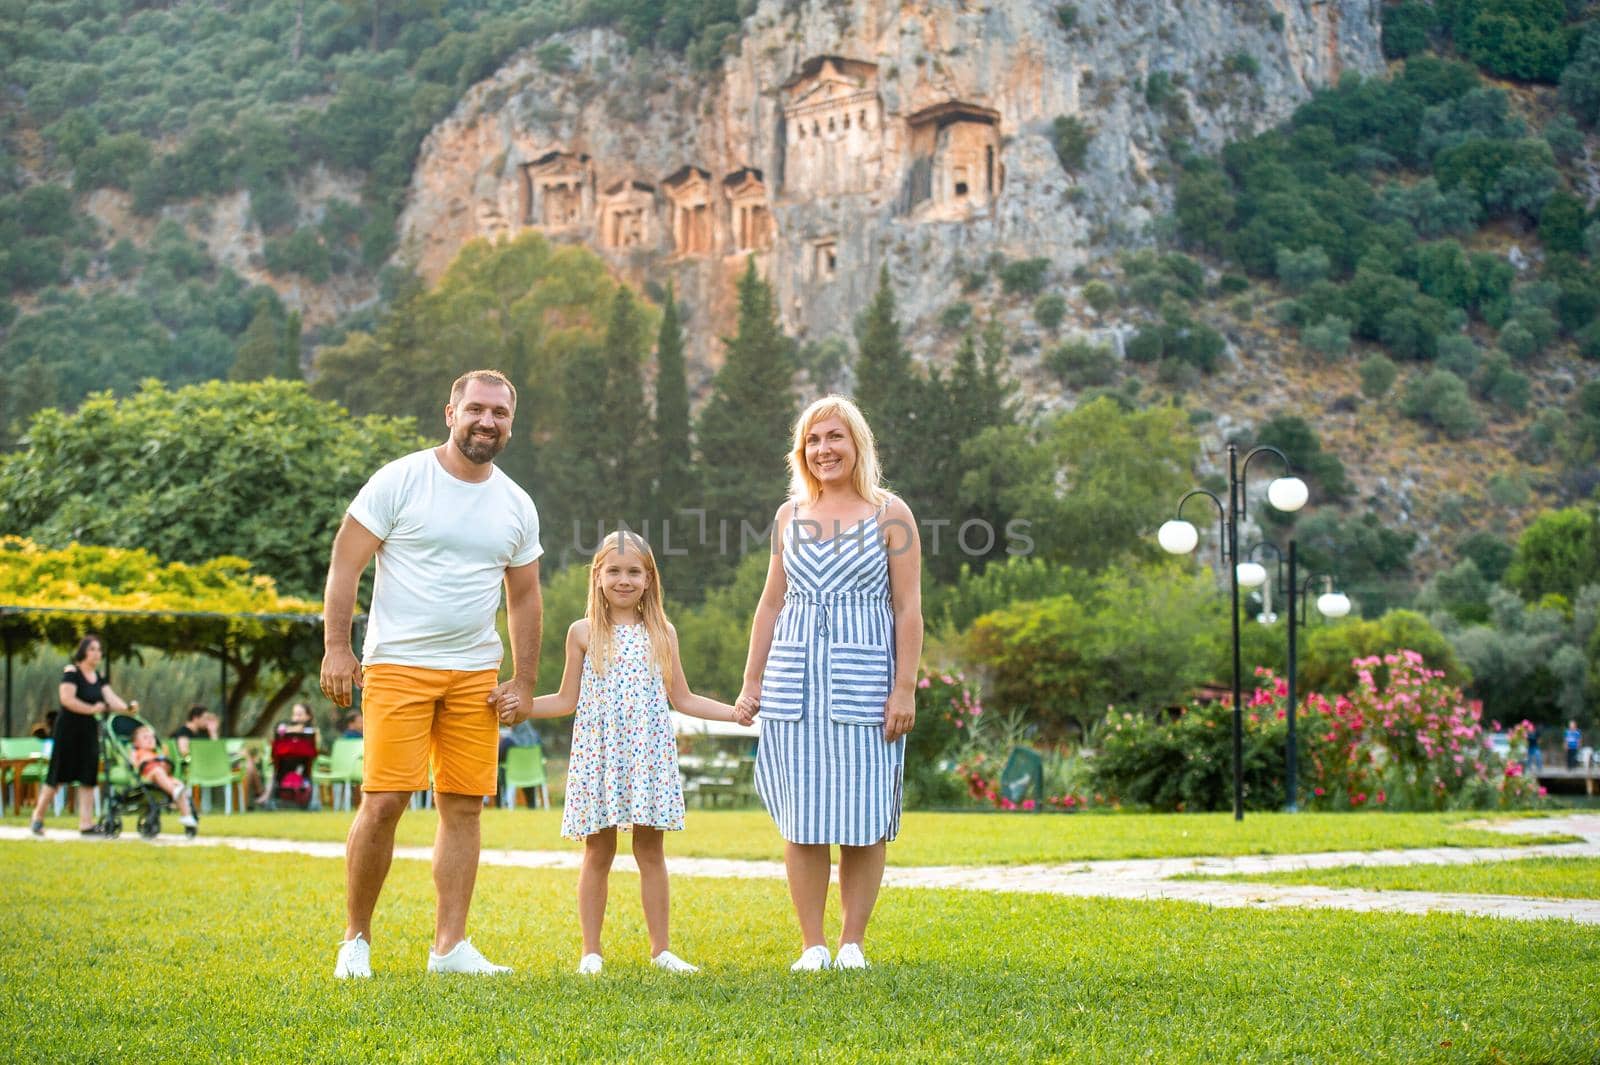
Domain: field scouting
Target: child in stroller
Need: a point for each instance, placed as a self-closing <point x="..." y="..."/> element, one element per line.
<point x="139" y="779"/>
<point x="294" y="752"/>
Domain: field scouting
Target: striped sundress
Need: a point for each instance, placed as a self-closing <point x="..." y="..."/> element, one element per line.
<point x="823" y="768"/>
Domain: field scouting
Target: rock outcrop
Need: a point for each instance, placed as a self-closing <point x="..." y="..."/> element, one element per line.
<point x="843" y="136"/>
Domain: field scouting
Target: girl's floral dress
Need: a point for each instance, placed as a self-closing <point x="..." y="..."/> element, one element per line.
<point x="624" y="767"/>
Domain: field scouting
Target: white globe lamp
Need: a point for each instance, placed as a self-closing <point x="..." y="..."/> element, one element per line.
<point x="1333" y="604"/>
<point x="1288" y="493"/>
<point x="1177" y="537"/>
<point x="1251" y="574"/>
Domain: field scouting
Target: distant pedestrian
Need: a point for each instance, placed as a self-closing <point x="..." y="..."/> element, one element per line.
<point x="1534" y="763"/>
<point x="1574" y="741"/>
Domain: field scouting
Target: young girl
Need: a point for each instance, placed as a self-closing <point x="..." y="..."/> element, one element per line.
<point x="156" y="768"/>
<point x="621" y="669"/>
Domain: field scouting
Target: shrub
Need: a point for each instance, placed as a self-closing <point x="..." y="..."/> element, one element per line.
<point x="1299" y="269"/>
<point x="1580" y="82"/>
<point x="955" y="315"/>
<point x="1329" y="338"/>
<point x="1067" y="15"/>
<point x="1440" y="399"/>
<point x="553" y="57"/>
<point x="1377" y="376"/>
<point x="1185" y="762"/>
<point x="1406" y="27"/>
<point x="1049" y="310"/>
<point x="1100" y="296"/>
<point x="1071" y="136"/>
<point x="1460" y="355"/>
<point x="946" y="705"/>
<point x="1025" y="277"/>
<point x="1498" y="383"/>
<point x="1081" y="364"/>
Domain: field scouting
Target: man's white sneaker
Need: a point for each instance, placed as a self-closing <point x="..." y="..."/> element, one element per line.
<point x="814" y="959"/>
<point x="464" y="958"/>
<point x="355" y="959"/>
<point x="850" y="957"/>
<point x="590" y="965"/>
<point x="672" y="963"/>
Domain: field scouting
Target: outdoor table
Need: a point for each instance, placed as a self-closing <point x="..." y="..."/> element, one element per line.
<point x="13" y="768"/>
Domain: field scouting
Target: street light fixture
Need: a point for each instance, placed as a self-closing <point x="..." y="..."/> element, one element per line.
<point x="1179" y="537"/>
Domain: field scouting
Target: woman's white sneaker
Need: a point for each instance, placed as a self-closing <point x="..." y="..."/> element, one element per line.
<point x="850" y="957"/>
<point x="590" y="965"/>
<point x="813" y="960"/>
<point x="355" y="959"/>
<point x="672" y="963"/>
<point x="464" y="958"/>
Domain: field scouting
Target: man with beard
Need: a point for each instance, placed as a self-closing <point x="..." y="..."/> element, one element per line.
<point x="448" y="528"/>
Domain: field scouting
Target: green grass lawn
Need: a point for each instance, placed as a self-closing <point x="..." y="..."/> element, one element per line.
<point x="948" y="838"/>
<point x="1556" y="878"/>
<point x="125" y="951"/>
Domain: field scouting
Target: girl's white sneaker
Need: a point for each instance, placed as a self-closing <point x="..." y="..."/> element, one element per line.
<point x="672" y="963"/>
<point x="850" y="957"/>
<point x="590" y="965"/>
<point x="813" y="960"/>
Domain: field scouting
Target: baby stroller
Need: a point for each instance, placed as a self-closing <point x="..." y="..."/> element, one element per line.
<point x="126" y="791"/>
<point x="293" y="754"/>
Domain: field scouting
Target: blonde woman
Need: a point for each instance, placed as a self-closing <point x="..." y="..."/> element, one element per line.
<point x="832" y="667"/>
<point x="622" y="666"/>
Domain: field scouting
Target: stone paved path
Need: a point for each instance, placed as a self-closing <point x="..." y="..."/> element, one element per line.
<point x="1141" y="879"/>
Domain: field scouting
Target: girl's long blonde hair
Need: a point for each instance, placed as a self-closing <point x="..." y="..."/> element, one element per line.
<point x="649" y="606"/>
<point x="866" y="478"/>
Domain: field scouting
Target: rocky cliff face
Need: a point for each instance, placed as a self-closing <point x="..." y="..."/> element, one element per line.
<point x="846" y="135"/>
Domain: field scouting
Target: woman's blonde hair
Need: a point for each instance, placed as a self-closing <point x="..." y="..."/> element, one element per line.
<point x="866" y="478"/>
<point x="651" y="612"/>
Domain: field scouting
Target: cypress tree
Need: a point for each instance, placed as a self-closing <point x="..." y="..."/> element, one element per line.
<point x="675" y="482"/>
<point x="745" y="426"/>
<point x="889" y="391"/>
<point x="622" y="432"/>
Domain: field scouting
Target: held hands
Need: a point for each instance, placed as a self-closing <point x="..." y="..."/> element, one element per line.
<point x="747" y="706"/>
<point x="512" y="701"/>
<point x="341" y="674"/>
<point x="899" y="714"/>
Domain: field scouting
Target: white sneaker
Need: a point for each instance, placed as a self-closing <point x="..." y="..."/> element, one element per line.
<point x="590" y="965"/>
<point x="464" y="958"/>
<point x="672" y="963"/>
<point x="188" y="821"/>
<point x="355" y="959"/>
<point x="814" y="959"/>
<point x="850" y="957"/>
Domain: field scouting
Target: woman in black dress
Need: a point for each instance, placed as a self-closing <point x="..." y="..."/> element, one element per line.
<point x="75" y="754"/>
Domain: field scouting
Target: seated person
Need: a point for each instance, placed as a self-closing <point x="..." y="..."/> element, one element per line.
<point x="200" y="725"/>
<point x="301" y="720"/>
<point x="352" y="726"/>
<point x="156" y="768"/>
<point x="46" y="729"/>
<point x="522" y="734"/>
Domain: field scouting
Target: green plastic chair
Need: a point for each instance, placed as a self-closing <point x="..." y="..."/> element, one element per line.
<point x="1024" y="773"/>
<point x="524" y="769"/>
<point x="22" y="747"/>
<point x="343" y="769"/>
<point x="210" y="767"/>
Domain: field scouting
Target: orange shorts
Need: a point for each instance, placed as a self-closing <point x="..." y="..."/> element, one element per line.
<point x="416" y="719"/>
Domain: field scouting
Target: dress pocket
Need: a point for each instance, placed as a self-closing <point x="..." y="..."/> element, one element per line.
<point x="783" y="681"/>
<point x="858" y="682"/>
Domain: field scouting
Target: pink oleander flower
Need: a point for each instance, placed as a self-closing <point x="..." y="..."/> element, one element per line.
<point x="1027" y="804"/>
<point x="925" y="682"/>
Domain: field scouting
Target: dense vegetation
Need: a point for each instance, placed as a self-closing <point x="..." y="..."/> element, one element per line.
<point x="182" y="103"/>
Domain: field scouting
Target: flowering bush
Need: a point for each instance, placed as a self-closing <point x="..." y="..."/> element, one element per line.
<point x="1408" y="740"/>
<point x="947" y="707"/>
<point x="981" y="760"/>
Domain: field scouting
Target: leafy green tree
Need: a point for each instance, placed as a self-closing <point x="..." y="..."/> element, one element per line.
<point x="1329" y="649"/>
<point x="1406" y="27"/>
<point x="258" y="470"/>
<point x="261" y="349"/>
<point x="623" y="490"/>
<point x="1295" y="437"/>
<point x="1489" y="553"/>
<point x="1558" y="554"/>
<point x="1580" y="81"/>
<point x="1094" y="483"/>
<point x="1439" y="398"/>
<point x="1140" y="638"/>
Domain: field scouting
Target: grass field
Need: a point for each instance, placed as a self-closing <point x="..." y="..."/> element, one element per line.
<point x="130" y="952"/>
<point x="947" y="838"/>
<point x="1556" y="878"/>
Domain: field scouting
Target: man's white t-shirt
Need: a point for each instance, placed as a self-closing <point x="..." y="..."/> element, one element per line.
<point x="446" y="546"/>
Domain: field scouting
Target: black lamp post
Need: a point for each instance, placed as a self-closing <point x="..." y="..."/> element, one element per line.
<point x="1287" y="493"/>
<point x="1330" y="604"/>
